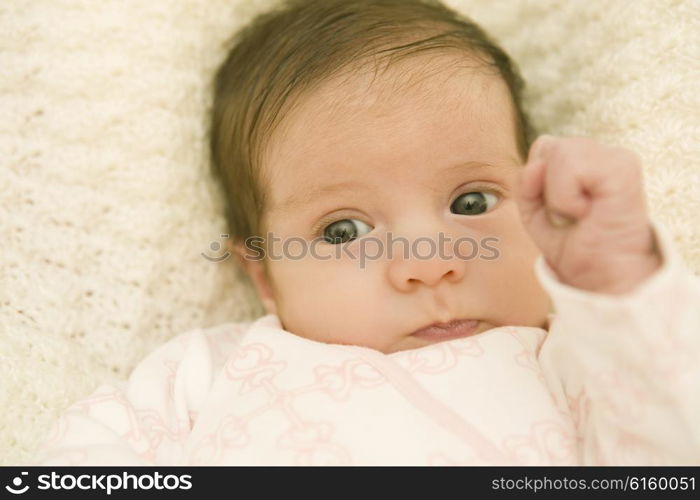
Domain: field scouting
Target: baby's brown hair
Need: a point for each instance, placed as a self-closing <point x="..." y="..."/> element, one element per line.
<point x="300" y="43"/>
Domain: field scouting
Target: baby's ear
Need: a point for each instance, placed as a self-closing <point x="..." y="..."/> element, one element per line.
<point x="252" y="262"/>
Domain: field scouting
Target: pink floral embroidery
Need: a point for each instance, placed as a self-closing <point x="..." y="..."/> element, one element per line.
<point x="549" y="442"/>
<point x="252" y="364"/>
<point x="311" y="443"/>
<point x="230" y="434"/>
<point x="339" y="381"/>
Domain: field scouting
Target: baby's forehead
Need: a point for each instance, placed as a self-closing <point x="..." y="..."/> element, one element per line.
<point x="423" y="77"/>
<point x="396" y="98"/>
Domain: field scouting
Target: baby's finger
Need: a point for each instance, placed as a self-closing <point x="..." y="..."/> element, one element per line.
<point x="558" y="220"/>
<point x="531" y="179"/>
<point x="541" y="147"/>
<point x="614" y="174"/>
<point x="564" y="191"/>
<point x="530" y="189"/>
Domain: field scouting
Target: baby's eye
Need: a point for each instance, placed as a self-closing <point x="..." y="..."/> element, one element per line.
<point x="474" y="203"/>
<point x="345" y="230"/>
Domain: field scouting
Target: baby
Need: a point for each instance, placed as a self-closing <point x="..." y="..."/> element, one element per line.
<point x="440" y="288"/>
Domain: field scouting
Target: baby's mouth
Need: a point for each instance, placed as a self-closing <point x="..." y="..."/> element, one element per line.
<point x="454" y="329"/>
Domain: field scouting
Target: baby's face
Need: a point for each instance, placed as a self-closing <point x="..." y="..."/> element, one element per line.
<point x="435" y="161"/>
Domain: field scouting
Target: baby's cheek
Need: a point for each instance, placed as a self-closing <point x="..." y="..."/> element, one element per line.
<point x="528" y="302"/>
<point x="327" y="301"/>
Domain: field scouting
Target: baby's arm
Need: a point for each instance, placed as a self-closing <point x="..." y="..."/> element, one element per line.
<point x="622" y="349"/>
<point x="627" y="366"/>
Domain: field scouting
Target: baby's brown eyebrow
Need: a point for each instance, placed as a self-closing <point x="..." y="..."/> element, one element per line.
<point x="299" y="199"/>
<point x="480" y="165"/>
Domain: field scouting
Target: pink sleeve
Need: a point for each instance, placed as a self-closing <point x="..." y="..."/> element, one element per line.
<point x="628" y="367"/>
<point x="140" y="422"/>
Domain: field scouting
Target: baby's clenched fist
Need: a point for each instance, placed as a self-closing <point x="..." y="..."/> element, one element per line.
<point x="583" y="204"/>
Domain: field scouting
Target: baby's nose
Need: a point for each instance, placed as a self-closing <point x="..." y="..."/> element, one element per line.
<point x="426" y="262"/>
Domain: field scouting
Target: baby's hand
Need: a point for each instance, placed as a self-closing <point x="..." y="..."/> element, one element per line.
<point x="583" y="204"/>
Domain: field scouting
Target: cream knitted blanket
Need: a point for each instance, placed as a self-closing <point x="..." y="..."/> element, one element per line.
<point x="106" y="201"/>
